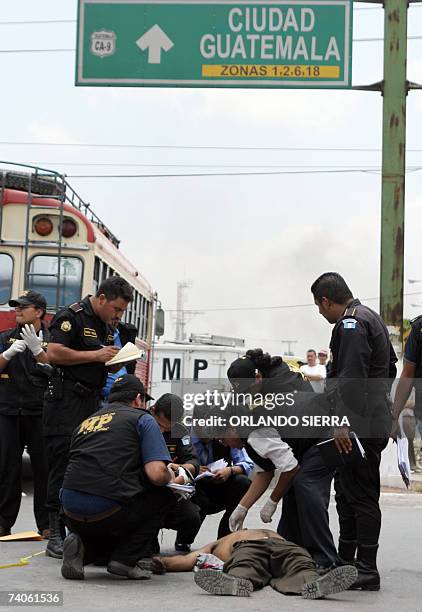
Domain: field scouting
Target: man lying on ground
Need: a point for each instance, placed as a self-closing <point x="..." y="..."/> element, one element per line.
<point x="254" y="558"/>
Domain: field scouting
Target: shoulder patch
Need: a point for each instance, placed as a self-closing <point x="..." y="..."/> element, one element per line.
<point x="66" y="326"/>
<point x="349" y="323"/>
<point x="76" y="307"/>
<point x="186" y="440"/>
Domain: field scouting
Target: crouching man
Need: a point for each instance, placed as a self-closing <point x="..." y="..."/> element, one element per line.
<point x="110" y="497"/>
<point x="254" y="558"/>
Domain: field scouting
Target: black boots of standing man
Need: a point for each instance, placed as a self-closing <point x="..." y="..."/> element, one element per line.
<point x="366" y="563"/>
<point x="57" y="533"/>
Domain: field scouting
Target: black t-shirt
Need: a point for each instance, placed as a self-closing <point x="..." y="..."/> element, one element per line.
<point x="79" y="328"/>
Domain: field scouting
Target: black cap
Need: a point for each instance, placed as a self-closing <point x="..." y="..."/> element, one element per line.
<point x="29" y="298"/>
<point x="241" y="373"/>
<point x="127" y="384"/>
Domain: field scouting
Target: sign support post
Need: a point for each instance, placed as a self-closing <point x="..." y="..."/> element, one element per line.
<point x="393" y="167"/>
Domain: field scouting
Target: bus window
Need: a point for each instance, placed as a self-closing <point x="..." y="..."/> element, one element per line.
<point x="41" y="278"/>
<point x="96" y="279"/>
<point x="6" y="275"/>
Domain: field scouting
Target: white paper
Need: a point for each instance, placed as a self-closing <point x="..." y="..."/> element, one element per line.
<point x="217" y="465"/>
<point x="204" y="475"/>
<point x="128" y="352"/>
<point x="403" y="459"/>
<point x="359" y="445"/>
<point x="180" y="487"/>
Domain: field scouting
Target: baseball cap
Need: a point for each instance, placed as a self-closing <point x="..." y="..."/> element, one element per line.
<point x="29" y="298"/>
<point x="241" y="373"/>
<point x="127" y="384"/>
<point x="323" y="352"/>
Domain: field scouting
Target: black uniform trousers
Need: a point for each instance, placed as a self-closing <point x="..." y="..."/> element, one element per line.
<point x="125" y="536"/>
<point x="357" y="495"/>
<point x="186" y="518"/>
<point x="304" y="519"/>
<point x="61" y="417"/>
<point x="16" y="432"/>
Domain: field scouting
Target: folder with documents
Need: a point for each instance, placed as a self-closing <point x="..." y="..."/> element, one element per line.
<point x="333" y="458"/>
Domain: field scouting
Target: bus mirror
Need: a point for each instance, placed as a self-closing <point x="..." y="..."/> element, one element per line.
<point x="159" y="322"/>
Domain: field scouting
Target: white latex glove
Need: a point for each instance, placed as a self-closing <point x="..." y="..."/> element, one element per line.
<point x="237" y="517"/>
<point x="182" y="472"/>
<point x="32" y="341"/>
<point x="268" y="510"/>
<point x="17" y="347"/>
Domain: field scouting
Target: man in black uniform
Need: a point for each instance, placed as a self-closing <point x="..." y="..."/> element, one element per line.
<point x="185" y="517"/>
<point x="81" y="343"/>
<point x="411" y="376"/>
<point x="108" y="497"/>
<point x="22" y="388"/>
<point x="362" y="369"/>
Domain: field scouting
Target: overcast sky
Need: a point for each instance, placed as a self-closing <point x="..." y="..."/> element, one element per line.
<point x="246" y="241"/>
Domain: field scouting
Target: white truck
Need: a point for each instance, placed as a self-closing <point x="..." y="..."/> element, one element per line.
<point x="195" y="365"/>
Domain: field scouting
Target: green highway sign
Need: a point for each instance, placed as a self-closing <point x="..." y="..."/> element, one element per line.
<point x="215" y="43"/>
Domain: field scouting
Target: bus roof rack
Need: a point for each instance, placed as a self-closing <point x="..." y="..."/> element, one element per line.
<point x="42" y="182"/>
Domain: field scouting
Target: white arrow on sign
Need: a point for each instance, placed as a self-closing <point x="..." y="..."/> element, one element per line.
<point x="155" y="40"/>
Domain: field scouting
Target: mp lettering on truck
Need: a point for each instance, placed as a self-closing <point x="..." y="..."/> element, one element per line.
<point x="198" y="366"/>
<point x="172" y="368"/>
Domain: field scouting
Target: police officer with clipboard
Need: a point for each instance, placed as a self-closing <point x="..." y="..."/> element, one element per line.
<point x="81" y="343"/>
<point x="362" y="371"/>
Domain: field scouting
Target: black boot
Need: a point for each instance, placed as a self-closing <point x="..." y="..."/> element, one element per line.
<point x="347" y="551"/>
<point x="55" y="541"/>
<point x="368" y="577"/>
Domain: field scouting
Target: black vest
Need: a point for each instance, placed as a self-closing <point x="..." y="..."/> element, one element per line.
<point x="105" y="457"/>
<point x="265" y="464"/>
<point x="22" y="385"/>
<point x="306" y="404"/>
<point x="417" y="327"/>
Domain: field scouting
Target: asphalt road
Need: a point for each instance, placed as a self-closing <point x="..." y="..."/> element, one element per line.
<point x="400" y="564"/>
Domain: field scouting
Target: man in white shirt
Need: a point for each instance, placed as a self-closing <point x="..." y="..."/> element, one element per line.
<point x="314" y="372"/>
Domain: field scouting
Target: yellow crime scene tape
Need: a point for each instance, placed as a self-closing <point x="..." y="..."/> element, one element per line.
<point x="23" y="561"/>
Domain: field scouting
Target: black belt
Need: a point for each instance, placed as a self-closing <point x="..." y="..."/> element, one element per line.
<point x="92" y="518"/>
<point x="81" y="388"/>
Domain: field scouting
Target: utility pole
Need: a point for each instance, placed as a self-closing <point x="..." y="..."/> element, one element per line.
<point x="182" y="316"/>
<point x="395" y="89"/>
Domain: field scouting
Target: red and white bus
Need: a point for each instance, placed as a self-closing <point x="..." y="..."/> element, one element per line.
<point x="53" y="243"/>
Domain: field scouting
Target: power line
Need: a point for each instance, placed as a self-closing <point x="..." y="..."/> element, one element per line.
<point x="281" y="307"/>
<point x="194" y="147"/>
<point x="193" y="165"/>
<point x="37" y="50"/>
<point x="204" y="174"/>
<point x="38" y="22"/>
